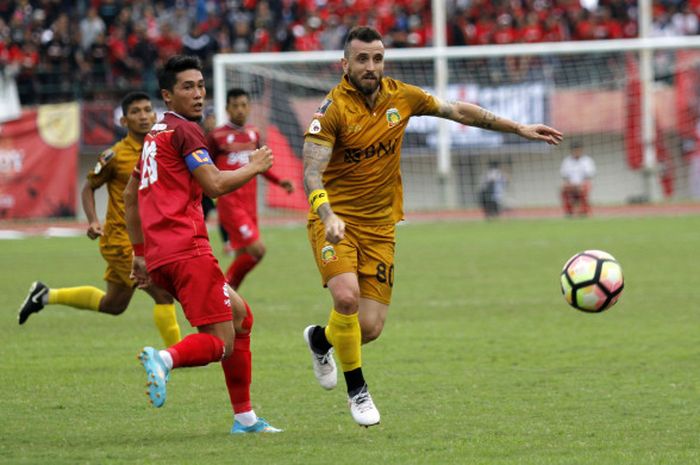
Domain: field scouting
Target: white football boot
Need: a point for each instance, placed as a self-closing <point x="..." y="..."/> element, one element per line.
<point x="324" y="365"/>
<point x="363" y="409"/>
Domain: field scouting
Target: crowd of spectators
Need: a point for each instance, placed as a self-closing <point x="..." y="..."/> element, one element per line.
<point x="63" y="49"/>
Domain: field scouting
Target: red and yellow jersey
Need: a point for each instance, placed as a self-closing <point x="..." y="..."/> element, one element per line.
<point x="113" y="168"/>
<point x="363" y="177"/>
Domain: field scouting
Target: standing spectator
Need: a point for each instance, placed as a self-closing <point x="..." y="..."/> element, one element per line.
<point x="493" y="186"/>
<point x="90" y="27"/>
<point x="577" y="171"/>
<point x="168" y="44"/>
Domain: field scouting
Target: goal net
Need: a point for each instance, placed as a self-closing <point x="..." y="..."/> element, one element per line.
<point x="597" y="93"/>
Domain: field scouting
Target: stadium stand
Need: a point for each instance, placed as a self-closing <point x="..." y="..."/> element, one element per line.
<point x="62" y="50"/>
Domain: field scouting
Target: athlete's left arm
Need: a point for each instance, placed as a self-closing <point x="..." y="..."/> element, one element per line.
<point x="474" y="115"/>
<point x="133" y="228"/>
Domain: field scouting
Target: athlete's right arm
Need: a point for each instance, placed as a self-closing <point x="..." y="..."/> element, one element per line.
<point x="87" y="196"/>
<point x="316" y="159"/>
<point x="217" y="182"/>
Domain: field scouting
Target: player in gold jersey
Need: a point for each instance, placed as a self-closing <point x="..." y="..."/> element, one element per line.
<point x="352" y="175"/>
<point x="113" y="169"/>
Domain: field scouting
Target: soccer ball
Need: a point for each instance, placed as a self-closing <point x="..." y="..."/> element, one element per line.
<point x="592" y="281"/>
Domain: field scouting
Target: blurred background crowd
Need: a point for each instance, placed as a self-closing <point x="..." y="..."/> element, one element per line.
<point x="59" y="50"/>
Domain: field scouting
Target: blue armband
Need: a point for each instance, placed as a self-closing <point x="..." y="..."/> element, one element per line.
<point x="197" y="158"/>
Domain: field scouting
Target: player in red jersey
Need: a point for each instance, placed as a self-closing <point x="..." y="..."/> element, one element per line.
<point x="171" y="246"/>
<point x="230" y="146"/>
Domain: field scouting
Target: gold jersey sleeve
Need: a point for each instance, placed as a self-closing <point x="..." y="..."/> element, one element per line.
<point x="113" y="169"/>
<point x="363" y="177"/>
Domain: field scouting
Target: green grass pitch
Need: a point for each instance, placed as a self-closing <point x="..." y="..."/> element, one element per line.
<point x="481" y="360"/>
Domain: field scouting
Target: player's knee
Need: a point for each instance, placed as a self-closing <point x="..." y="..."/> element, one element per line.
<point x="371" y="331"/>
<point x="258" y="251"/>
<point x="113" y="308"/>
<point x="346" y="301"/>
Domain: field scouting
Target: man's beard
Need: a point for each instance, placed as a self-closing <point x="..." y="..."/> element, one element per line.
<point x="367" y="89"/>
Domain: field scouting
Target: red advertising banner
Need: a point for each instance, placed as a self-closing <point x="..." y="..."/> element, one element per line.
<point x="39" y="163"/>
<point x="287" y="166"/>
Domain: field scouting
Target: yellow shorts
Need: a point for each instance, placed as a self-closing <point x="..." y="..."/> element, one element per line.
<point x="366" y="250"/>
<point x="118" y="258"/>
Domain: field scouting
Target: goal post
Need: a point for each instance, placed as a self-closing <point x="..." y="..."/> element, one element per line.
<point x="636" y="118"/>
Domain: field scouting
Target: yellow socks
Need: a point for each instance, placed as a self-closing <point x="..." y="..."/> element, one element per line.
<point x="85" y="297"/>
<point x="343" y="331"/>
<point x="165" y="319"/>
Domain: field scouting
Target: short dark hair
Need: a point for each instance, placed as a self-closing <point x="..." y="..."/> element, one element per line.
<point x="362" y="33"/>
<point x="576" y="144"/>
<point x="132" y="97"/>
<point x="236" y="92"/>
<point x="167" y="75"/>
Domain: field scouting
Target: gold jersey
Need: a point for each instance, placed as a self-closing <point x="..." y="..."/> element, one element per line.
<point x="114" y="167"/>
<point x="363" y="177"/>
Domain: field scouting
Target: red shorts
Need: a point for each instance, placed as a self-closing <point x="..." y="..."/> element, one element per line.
<point x="241" y="226"/>
<point x="199" y="285"/>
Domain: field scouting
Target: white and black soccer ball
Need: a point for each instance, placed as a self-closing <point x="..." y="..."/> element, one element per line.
<point x="592" y="281"/>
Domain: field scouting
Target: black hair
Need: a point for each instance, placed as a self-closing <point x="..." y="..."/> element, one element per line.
<point x="362" y="33"/>
<point x="236" y="92"/>
<point x="167" y="75"/>
<point x="132" y="97"/>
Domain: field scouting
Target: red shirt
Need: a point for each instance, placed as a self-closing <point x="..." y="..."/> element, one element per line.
<point x="230" y="147"/>
<point x="170" y="199"/>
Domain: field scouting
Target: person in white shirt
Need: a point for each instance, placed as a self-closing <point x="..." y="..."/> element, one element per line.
<point x="492" y="190"/>
<point x="577" y="171"/>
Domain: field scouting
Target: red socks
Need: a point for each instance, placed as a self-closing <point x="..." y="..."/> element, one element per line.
<point x="237" y="371"/>
<point x="238" y="368"/>
<point x="240" y="267"/>
<point x="197" y="350"/>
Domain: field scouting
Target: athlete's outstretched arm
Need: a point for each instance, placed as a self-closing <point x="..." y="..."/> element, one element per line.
<point x="217" y="182"/>
<point x="316" y="159"/>
<point x="473" y="115"/>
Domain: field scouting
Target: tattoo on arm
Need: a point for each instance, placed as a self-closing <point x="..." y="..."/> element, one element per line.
<point x="316" y="158"/>
<point x="485" y="119"/>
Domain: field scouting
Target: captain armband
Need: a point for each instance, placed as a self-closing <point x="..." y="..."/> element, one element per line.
<point x="317" y="198"/>
<point x="197" y="158"/>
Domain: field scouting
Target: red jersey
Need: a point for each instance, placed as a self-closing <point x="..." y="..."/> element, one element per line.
<point x="170" y="199"/>
<point x="230" y="147"/>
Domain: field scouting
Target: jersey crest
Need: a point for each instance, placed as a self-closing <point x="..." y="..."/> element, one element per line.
<point x="393" y="117"/>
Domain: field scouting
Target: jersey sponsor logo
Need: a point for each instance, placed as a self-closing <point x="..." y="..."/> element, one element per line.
<point x="239" y="158"/>
<point x="381" y="149"/>
<point x="315" y="127"/>
<point x="323" y="108"/>
<point x="393" y="117"/>
<point x="328" y="254"/>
